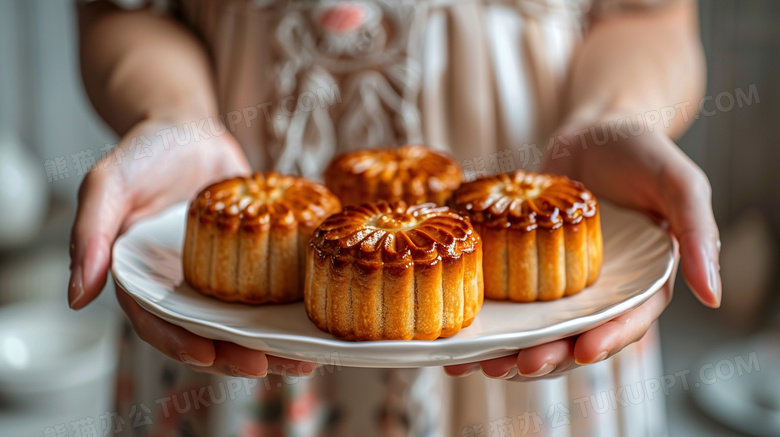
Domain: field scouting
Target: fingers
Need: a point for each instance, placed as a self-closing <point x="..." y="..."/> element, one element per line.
<point x="101" y="210"/>
<point x="459" y="370"/>
<point x="533" y="362"/>
<point x="595" y="345"/>
<point x="554" y="358"/>
<point x="686" y="195"/>
<point x="288" y="367"/>
<point x="174" y="341"/>
<point x="501" y="368"/>
<point x="542" y="360"/>
<point x="204" y="355"/>
<point x="112" y="197"/>
<point x="234" y="360"/>
<point x="610" y="338"/>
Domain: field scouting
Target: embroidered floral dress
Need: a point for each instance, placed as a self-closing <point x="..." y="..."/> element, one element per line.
<point x="301" y="80"/>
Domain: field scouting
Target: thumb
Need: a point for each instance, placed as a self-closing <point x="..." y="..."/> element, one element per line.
<point x="102" y="206"/>
<point x="686" y="196"/>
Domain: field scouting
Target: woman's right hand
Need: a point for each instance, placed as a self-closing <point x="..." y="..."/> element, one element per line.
<point x="147" y="172"/>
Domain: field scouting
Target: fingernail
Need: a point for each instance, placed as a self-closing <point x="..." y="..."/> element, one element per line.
<point x="713" y="281"/>
<point x="544" y="370"/>
<point x="473" y="369"/>
<point x="75" y="287"/>
<point x="718" y="245"/>
<point x="600" y="357"/>
<point x="240" y="373"/>
<point x="511" y="373"/>
<point x="467" y="372"/>
<point x="189" y="359"/>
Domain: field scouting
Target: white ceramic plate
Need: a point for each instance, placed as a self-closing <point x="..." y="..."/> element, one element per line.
<point x="637" y="262"/>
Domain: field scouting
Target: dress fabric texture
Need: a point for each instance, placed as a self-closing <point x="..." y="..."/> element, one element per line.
<point x="299" y="81"/>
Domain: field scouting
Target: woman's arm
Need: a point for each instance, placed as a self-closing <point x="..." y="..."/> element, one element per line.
<point x="145" y="74"/>
<point x="630" y="64"/>
<point x="635" y="66"/>
<point x="138" y="65"/>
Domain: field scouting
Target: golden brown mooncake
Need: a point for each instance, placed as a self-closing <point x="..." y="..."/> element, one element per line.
<point x="541" y="234"/>
<point x="413" y="174"/>
<point x="246" y="237"/>
<point x="394" y="272"/>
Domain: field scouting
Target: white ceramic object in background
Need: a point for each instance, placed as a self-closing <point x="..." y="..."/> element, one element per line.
<point x="23" y="192"/>
<point x="38" y="273"/>
<point x="637" y="262"/>
<point x="55" y="360"/>
<point x="739" y="385"/>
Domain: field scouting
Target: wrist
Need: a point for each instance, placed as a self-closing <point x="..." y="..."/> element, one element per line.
<point x="184" y="128"/>
<point x="669" y="120"/>
<point x="191" y="123"/>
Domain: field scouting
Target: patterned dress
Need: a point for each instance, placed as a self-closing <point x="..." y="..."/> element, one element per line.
<point x="299" y="81"/>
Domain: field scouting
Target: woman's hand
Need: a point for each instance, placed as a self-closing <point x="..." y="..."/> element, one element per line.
<point x="144" y="174"/>
<point x="645" y="172"/>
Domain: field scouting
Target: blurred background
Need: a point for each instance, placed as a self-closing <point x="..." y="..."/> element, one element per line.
<point x="49" y="136"/>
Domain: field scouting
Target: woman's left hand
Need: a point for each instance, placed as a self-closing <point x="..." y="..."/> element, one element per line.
<point x="645" y="172"/>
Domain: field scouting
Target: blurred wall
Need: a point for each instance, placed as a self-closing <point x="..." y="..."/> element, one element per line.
<point x="737" y="147"/>
<point x="41" y="93"/>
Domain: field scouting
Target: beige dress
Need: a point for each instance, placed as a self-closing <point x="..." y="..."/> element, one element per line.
<point x="301" y="80"/>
